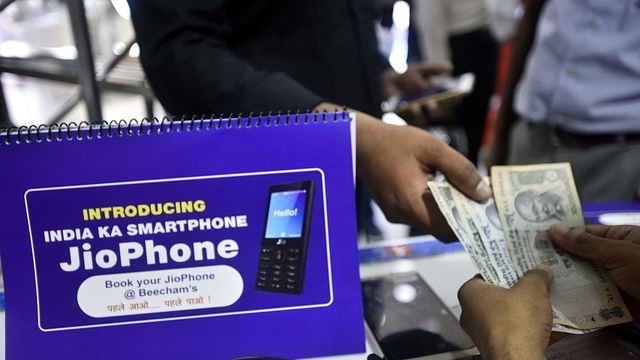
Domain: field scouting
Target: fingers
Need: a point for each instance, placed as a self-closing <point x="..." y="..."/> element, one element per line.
<point x="584" y="244"/>
<point x="613" y="232"/>
<point x="435" y="68"/>
<point x="536" y="280"/>
<point x="431" y="105"/>
<point x="508" y="323"/>
<point x="416" y="78"/>
<point x="539" y="278"/>
<point x="618" y="250"/>
<point x="461" y="173"/>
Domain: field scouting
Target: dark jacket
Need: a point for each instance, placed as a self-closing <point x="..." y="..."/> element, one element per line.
<point x="221" y="56"/>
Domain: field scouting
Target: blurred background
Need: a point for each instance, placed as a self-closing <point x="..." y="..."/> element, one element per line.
<point x="39" y="65"/>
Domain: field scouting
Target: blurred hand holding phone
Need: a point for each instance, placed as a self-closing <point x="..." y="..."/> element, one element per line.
<point x="434" y="105"/>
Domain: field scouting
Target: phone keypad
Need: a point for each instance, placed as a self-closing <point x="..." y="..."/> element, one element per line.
<point x="280" y="270"/>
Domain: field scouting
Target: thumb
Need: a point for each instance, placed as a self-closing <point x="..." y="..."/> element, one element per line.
<point x="539" y="278"/>
<point x="583" y="244"/>
<point x="461" y="173"/>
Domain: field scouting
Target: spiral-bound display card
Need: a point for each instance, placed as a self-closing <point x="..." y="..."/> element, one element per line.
<point x="194" y="239"/>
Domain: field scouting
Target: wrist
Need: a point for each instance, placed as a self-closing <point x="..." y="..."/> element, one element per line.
<point x="365" y="132"/>
<point x="507" y="349"/>
<point x="513" y="355"/>
<point x="370" y="134"/>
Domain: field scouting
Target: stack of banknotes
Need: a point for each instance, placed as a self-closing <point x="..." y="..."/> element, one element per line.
<point x="508" y="235"/>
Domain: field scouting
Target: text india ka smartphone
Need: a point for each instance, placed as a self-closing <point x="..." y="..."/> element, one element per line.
<point x="409" y="321"/>
<point x="283" y="251"/>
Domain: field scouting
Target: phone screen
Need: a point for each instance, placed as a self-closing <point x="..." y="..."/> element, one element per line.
<point x="409" y="321"/>
<point x="286" y="214"/>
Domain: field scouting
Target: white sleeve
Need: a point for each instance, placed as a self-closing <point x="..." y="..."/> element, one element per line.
<point x="430" y="18"/>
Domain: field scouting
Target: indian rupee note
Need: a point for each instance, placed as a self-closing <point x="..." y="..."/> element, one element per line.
<point x="530" y="199"/>
<point x="477" y="243"/>
<point x="485" y="218"/>
<point x="443" y="193"/>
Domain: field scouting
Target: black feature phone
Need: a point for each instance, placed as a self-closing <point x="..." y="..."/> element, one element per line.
<point x="283" y="252"/>
<point x="409" y="321"/>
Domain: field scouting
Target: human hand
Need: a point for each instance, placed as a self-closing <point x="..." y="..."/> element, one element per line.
<point x="415" y="79"/>
<point x="617" y="248"/>
<point x="427" y="112"/>
<point x="509" y="323"/>
<point x="396" y="162"/>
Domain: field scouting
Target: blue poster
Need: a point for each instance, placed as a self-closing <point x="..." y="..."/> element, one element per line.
<point x="205" y="239"/>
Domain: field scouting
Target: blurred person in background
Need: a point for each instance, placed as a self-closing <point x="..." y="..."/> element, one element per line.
<point x="573" y="95"/>
<point x="460" y="31"/>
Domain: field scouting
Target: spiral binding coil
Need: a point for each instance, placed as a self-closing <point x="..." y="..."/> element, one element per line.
<point x="108" y="129"/>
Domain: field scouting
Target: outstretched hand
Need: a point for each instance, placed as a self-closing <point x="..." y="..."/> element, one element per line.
<point x="509" y="323"/>
<point x="396" y="162"/>
<point x="617" y="248"/>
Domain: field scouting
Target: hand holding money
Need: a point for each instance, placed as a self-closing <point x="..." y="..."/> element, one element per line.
<point x="515" y="323"/>
<point x="615" y="247"/>
<point x="507" y="237"/>
<point x="509" y="323"/>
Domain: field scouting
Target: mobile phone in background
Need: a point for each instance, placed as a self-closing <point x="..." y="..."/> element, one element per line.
<point x="442" y="88"/>
<point x="445" y="91"/>
<point x="283" y="251"/>
<point x="409" y="321"/>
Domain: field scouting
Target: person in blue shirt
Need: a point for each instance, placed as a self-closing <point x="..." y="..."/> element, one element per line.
<point x="573" y="94"/>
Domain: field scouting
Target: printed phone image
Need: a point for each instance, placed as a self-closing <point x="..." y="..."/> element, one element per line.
<point x="283" y="251"/>
<point x="409" y="321"/>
